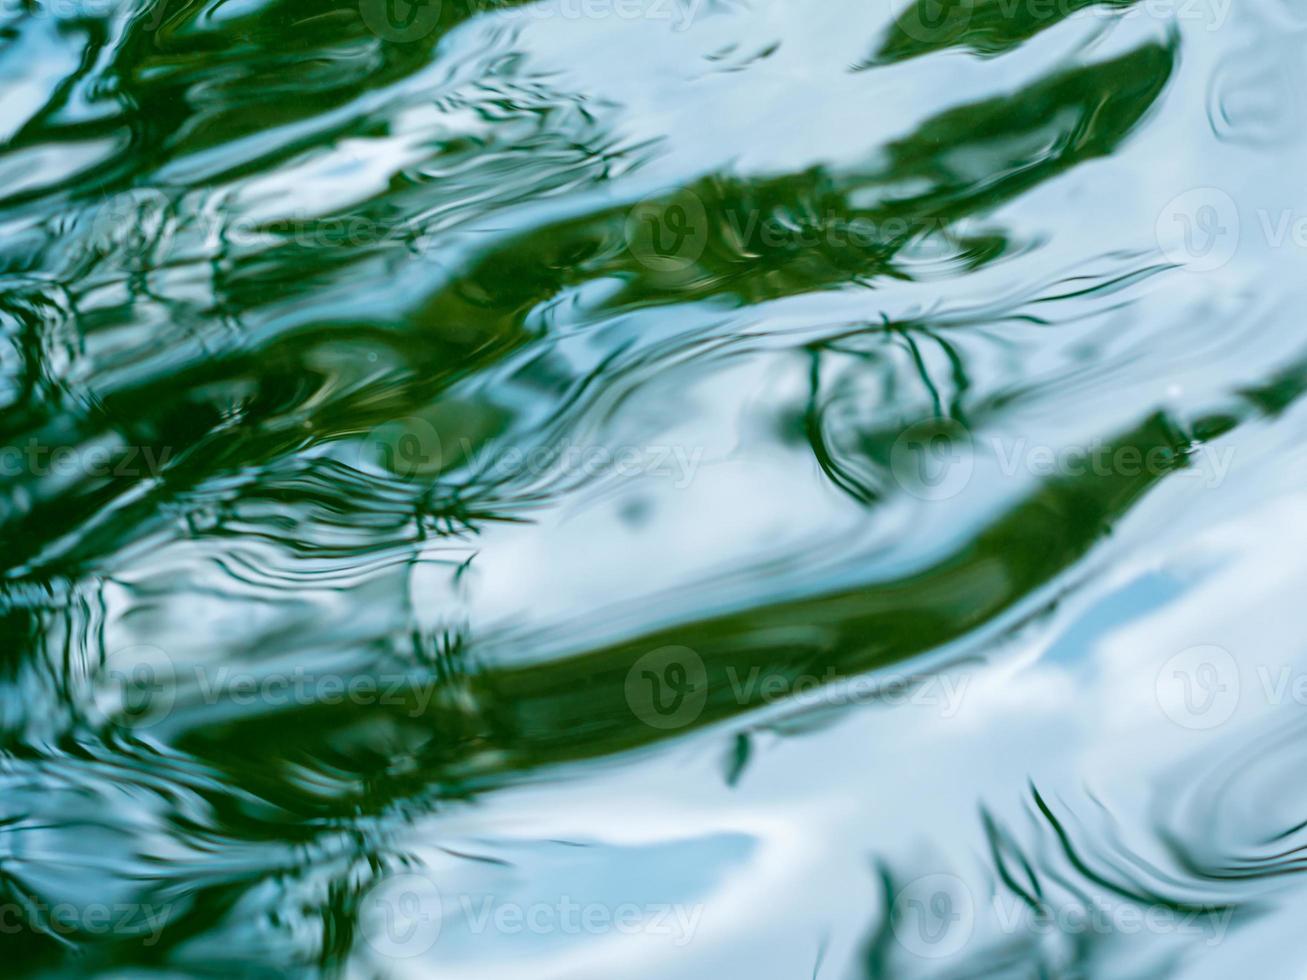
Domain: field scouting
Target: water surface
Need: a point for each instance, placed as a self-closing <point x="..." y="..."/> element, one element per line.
<point x="652" y="488"/>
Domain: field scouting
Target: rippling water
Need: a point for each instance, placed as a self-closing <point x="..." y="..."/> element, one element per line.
<point x="652" y="488"/>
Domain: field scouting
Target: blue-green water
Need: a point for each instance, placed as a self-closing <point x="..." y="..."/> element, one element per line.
<point x="652" y="488"/>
